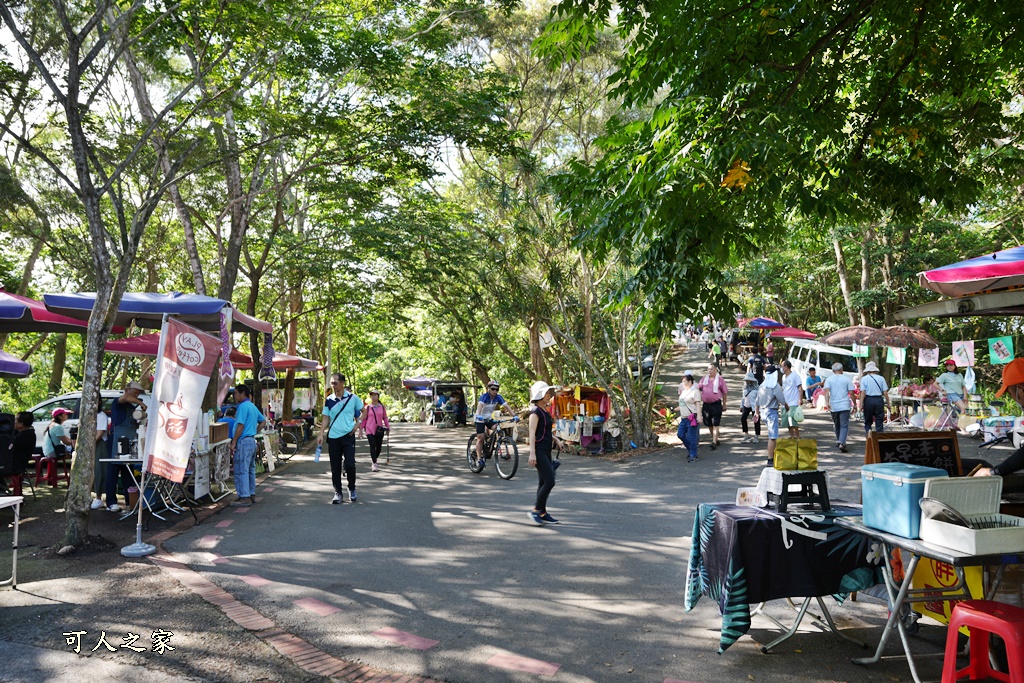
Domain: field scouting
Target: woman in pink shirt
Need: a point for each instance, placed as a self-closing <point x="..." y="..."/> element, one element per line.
<point x="375" y="425"/>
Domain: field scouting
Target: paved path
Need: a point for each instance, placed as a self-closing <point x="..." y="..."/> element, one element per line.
<point x="436" y="572"/>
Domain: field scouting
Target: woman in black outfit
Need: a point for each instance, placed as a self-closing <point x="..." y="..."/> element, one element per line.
<point x="541" y="438"/>
<point x="1013" y="383"/>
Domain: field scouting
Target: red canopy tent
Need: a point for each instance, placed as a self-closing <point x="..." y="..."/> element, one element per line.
<point x="149" y="345"/>
<point x="792" y="333"/>
<point x="284" y="361"/>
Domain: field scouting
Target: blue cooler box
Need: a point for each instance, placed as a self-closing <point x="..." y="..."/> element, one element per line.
<point x="892" y="492"/>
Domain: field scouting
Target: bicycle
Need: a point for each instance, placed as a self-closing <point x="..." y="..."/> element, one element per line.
<point x="287" y="445"/>
<point x="497" y="445"/>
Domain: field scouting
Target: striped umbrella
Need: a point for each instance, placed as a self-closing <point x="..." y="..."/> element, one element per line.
<point x="999" y="270"/>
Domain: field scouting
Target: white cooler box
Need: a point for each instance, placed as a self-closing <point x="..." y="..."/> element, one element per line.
<point x="977" y="499"/>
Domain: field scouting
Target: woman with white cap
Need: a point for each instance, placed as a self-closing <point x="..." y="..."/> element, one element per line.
<point x="375" y="425"/>
<point x="541" y="438"/>
<point x="876" y="397"/>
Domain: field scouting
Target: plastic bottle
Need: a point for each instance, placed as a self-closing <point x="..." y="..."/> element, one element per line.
<point x="319" y="449"/>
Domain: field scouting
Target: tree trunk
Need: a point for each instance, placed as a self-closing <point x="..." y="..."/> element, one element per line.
<point x="844" y="283"/>
<point x="60" y="357"/>
<point x="295" y="308"/>
<point x="865" y="270"/>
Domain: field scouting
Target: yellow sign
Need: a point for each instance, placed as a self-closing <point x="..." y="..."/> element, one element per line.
<point x="942" y="577"/>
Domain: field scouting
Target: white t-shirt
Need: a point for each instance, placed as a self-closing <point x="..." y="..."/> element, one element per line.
<point x="103" y="424"/>
<point x="791" y="388"/>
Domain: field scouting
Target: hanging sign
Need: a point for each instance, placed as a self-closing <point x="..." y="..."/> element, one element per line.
<point x="186" y="362"/>
<point x="963" y="353"/>
<point x="1000" y="350"/>
<point x="895" y="356"/>
<point x="928" y="358"/>
<point x="860" y="351"/>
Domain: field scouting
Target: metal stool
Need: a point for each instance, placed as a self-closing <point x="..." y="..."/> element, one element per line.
<point x="808" y="482"/>
<point x="985" y="617"/>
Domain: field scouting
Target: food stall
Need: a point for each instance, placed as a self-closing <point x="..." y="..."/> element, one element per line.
<point x="581" y="414"/>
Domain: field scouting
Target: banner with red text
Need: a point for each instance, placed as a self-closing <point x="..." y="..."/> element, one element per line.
<point x="184" y="366"/>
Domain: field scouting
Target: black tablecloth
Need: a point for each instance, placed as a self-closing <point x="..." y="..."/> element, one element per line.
<point x="742" y="556"/>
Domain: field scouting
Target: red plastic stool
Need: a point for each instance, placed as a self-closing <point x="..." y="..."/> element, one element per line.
<point x="985" y="617"/>
<point x="53" y="471"/>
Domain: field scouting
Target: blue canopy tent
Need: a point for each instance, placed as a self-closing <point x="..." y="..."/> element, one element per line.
<point x="22" y="314"/>
<point x="147" y="310"/>
<point x="12" y="367"/>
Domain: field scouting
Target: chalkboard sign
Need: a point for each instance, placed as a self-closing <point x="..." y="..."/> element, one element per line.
<point x="930" y="449"/>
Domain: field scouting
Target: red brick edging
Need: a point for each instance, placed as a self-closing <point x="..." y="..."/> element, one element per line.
<point x="305" y="656"/>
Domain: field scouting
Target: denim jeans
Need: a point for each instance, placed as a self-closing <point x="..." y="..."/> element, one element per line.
<point x="841" y="425"/>
<point x="245" y="467"/>
<point x="689" y="435"/>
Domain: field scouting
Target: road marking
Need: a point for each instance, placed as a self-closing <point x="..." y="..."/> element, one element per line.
<point x="316" y="606"/>
<point x="516" y="663"/>
<point x="268" y="489"/>
<point x="208" y="542"/>
<point x="224" y="524"/>
<point x="241" y="510"/>
<point x="255" y="580"/>
<point x="407" y="639"/>
<point x="219" y="559"/>
<point x="257" y="498"/>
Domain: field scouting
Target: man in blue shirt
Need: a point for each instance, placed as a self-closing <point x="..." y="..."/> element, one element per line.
<point x="229" y="420"/>
<point x="838" y="388"/>
<point x="339" y="425"/>
<point x="243" y="446"/>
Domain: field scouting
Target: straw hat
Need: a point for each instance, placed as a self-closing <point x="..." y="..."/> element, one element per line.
<point x="135" y="385"/>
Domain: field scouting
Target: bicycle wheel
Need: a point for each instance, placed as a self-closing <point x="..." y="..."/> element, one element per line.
<point x="506" y="457"/>
<point x="471" y="456"/>
<point x="289" y="446"/>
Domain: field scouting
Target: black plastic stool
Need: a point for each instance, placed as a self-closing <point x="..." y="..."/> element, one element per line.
<point x="807" y="481"/>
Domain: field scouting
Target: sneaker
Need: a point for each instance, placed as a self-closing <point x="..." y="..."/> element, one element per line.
<point x="535" y="518"/>
<point x="374" y="468"/>
<point x="843" y="448"/>
<point x="692" y="458"/>
<point x="337" y="499"/>
<point x="96" y="504"/>
<point x="241" y="503"/>
<point x="114" y="508"/>
<point x="714" y="445"/>
<point x="771" y="462"/>
<point x="252" y="499"/>
<point x="352" y="495"/>
<point x="757" y="439"/>
<point x="548" y="519"/>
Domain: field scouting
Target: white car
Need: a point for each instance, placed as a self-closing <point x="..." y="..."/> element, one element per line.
<point x="42" y="413"/>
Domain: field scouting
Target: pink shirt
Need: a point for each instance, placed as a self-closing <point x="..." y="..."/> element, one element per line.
<point x="373" y="417"/>
<point x="712" y="390"/>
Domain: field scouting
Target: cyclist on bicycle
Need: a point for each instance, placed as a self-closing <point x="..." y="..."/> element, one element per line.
<point x="485" y="408"/>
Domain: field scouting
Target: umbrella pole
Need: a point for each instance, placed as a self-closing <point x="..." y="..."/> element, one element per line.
<point x="139" y="549"/>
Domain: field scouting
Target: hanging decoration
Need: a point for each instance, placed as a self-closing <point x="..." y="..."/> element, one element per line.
<point x="928" y="358"/>
<point x="1000" y="350"/>
<point x="895" y="356"/>
<point x="963" y="353"/>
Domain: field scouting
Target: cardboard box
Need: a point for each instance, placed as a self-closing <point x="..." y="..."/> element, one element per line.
<point x="977" y="499"/>
<point x="891" y="493"/>
<point x="219" y="432"/>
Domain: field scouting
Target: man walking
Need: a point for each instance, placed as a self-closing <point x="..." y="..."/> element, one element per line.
<point x="243" y="446"/>
<point x="714" y="394"/>
<point x="837" y="401"/>
<point x="793" y="391"/>
<point x="339" y="426"/>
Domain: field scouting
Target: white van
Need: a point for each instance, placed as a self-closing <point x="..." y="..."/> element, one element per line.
<point x="42" y="412"/>
<point x="811" y="354"/>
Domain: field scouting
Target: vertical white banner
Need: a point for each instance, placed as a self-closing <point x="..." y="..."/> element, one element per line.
<point x="186" y="361"/>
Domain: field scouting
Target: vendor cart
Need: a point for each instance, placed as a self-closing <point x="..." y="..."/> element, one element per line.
<point x="581" y="414"/>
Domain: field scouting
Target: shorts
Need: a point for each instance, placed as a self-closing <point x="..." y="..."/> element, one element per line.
<point x="712" y="414"/>
<point x="771" y="418"/>
<point x="481" y="426"/>
<point x="953" y="398"/>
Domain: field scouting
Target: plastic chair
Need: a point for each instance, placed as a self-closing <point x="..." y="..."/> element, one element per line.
<point x="54" y="471"/>
<point x="985" y="617"/>
<point x="17" y="480"/>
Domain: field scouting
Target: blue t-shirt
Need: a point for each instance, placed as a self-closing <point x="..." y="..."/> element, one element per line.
<point x="488" y="404"/>
<point x="341" y="414"/>
<point x="249" y="416"/>
<point x="230" y="422"/>
<point x="839" y="388"/>
<point x="809" y="381"/>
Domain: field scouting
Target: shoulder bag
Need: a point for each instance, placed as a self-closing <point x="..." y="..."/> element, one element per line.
<point x="60" y="449"/>
<point x="340" y="411"/>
